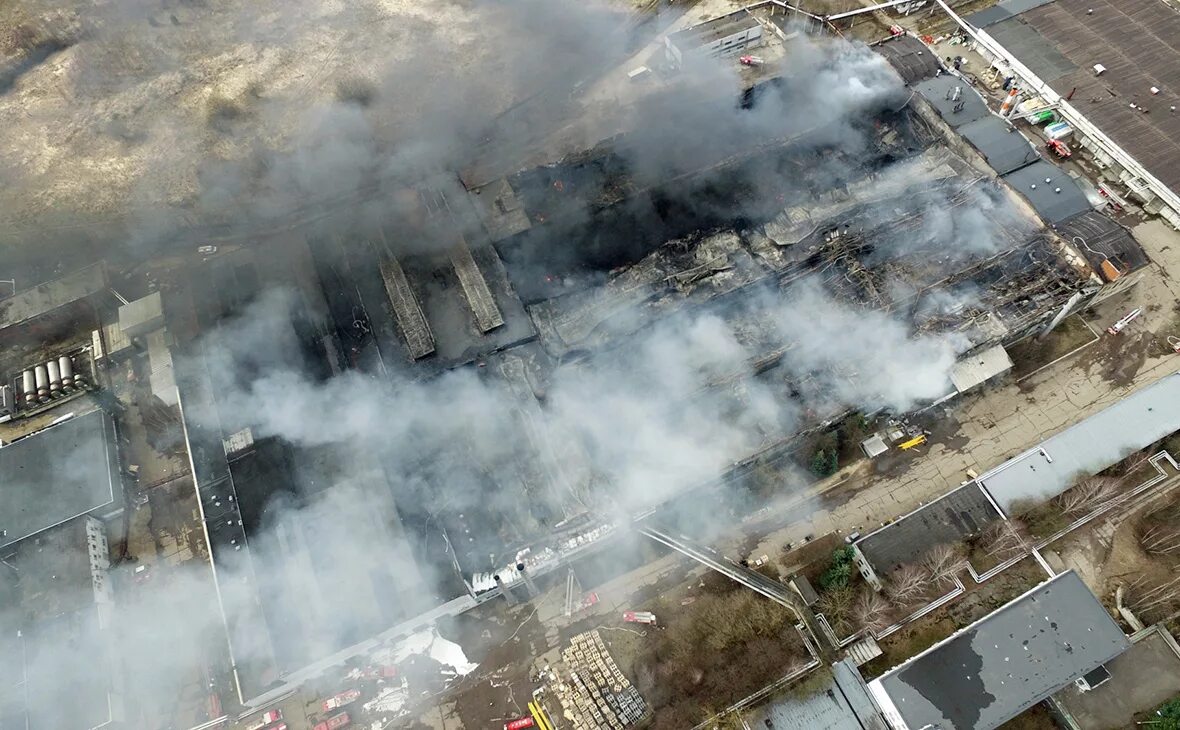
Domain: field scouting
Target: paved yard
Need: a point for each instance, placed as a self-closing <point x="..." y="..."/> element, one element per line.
<point x="1146" y="676"/>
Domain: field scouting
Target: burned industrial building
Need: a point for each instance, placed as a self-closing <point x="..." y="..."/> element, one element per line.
<point x="531" y="291"/>
<point x="398" y="419"/>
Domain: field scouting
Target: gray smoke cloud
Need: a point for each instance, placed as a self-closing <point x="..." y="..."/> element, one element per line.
<point x="669" y="404"/>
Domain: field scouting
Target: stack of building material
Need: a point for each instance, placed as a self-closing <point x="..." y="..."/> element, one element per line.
<point x="411" y="321"/>
<point x="475" y="287"/>
<point x="597" y="695"/>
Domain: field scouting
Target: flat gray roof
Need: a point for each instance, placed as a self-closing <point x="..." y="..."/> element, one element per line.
<point x="1006" y="662"/>
<point x="1057" y="200"/>
<point x="939" y="90"/>
<point x="950" y="518"/>
<point x="978" y="368"/>
<point x="1085" y="448"/>
<point x="67" y="672"/>
<point x="910" y="57"/>
<point x="45" y="298"/>
<point x="56" y="474"/>
<point x="1033" y="49"/>
<point x="57" y="670"/>
<point x="841" y="704"/>
<point x="1001" y="144"/>
<point x="1002" y="11"/>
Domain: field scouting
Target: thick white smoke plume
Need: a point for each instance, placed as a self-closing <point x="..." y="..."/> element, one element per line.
<point x="667" y="408"/>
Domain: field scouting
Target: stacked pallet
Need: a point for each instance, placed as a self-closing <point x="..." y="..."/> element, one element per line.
<point x="597" y="696"/>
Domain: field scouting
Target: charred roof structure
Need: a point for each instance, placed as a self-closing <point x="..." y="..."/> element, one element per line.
<point x="602" y="254"/>
<point x="1006" y="662"/>
<point x="280" y="571"/>
<point x="558" y="273"/>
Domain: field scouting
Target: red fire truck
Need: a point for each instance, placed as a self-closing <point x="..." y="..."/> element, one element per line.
<point x="335" y="722"/>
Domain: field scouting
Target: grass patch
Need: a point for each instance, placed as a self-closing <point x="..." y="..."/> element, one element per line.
<point x="718" y="649"/>
<point x="913" y="639"/>
<point x="1033" y="353"/>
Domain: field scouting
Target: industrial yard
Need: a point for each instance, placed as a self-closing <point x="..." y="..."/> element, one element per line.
<point x="588" y="366"/>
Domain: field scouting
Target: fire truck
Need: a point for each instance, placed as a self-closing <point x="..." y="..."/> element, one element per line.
<point x="335" y="722"/>
<point x="267" y="718"/>
<point x="341" y="699"/>
<point x="639" y="617"/>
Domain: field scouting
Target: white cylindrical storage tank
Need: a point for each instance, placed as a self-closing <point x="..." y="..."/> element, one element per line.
<point x="66" y="365"/>
<point x="42" y="377"/>
<point x="28" y="386"/>
<point x="54" y="377"/>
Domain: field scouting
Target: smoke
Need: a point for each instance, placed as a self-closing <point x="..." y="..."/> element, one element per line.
<point x="826" y="94"/>
<point x="380" y="467"/>
<point x="864" y="357"/>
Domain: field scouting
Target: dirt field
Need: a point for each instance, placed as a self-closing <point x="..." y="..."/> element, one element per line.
<point x="717" y="643"/>
<point x="1033" y="353"/>
<point x="1110" y="554"/>
<point x="132" y="120"/>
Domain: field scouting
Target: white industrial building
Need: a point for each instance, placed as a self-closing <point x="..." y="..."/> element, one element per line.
<point x="721" y="37"/>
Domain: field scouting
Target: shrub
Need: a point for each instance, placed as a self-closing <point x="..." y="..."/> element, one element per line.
<point x="839" y="572"/>
<point x="824" y="462"/>
<point x="1166" y="716"/>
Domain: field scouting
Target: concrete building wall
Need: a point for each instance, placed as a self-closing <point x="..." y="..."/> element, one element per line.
<point x="734" y="44"/>
<point x="726" y="46"/>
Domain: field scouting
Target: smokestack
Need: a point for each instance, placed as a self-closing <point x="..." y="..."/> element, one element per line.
<point x="1009" y="103"/>
<point x="67" y="372"/>
<point x="29" y="387"/>
<point x="42" y="377"/>
<point x="528" y="581"/>
<point x="506" y="591"/>
<point x="54" y="378"/>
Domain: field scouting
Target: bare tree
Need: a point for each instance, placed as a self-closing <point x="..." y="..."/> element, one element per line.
<point x="1161" y="540"/>
<point x="944" y="562"/>
<point x="1130" y="464"/>
<point x="836" y="606"/>
<point x="1151" y="599"/>
<point x="1087" y="495"/>
<point x="871" y="611"/>
<point x="1002" y="539"/>
<point x="908" y="584"/>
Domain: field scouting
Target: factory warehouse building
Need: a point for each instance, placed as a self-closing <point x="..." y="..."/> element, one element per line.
<point x="56" y="637"/>
<point x="1111" y="70"/>
<point x="1006" y="662"/>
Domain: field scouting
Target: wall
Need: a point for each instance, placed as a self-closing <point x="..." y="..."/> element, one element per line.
<point x="730" y="45"/>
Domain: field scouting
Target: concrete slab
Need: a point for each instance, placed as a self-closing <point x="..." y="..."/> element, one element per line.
<point x="1147" y="675"/>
